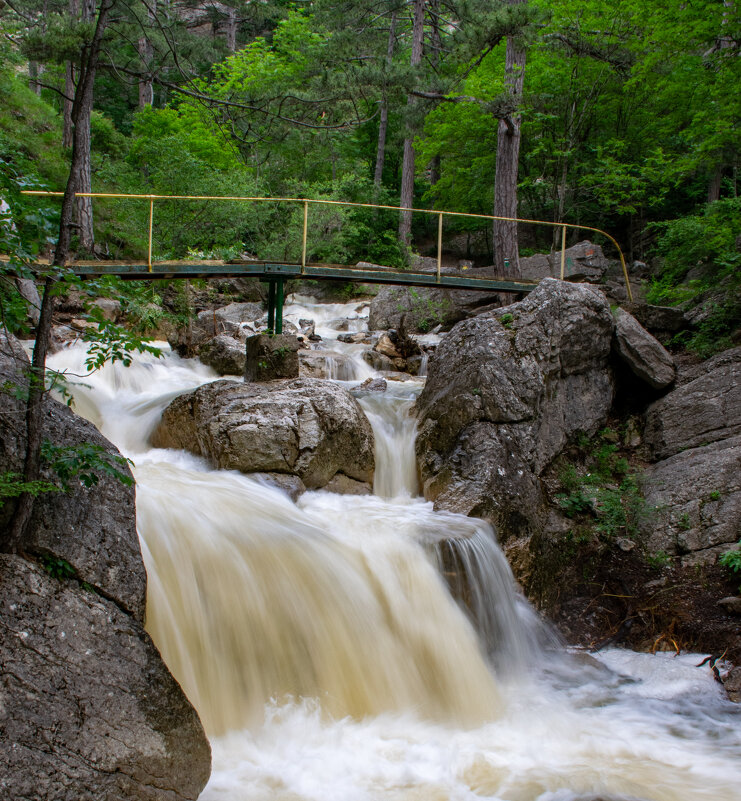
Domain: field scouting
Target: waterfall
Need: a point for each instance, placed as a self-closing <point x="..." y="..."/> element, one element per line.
<point x="371" y="648"/>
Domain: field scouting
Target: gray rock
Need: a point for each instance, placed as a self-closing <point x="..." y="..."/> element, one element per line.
<point x="696" y="498"/>
<point x="643" y="353"/>
<point x="233" y="320"/>
<point x="504" y="394"/>
<point x="732" y="684"/>
<point x="422" y="308"/>
<point x="371" y="385"/>
<point x="110" y="308"/>
<point x="342" y="485"/>
<point x="239" y="313"/>
<point x="378" y="361"/>
<point x="706" y="409"/>
<point x="584" y="261"/>
<point x="88" y="710"/>
<point x="271" y="357"/>
<point x="28" y="291"/>
<point x="732" y="605"/>
<point x="225" y="354"/>
<point x="291" y="485"/>
<point x="657" y="319"/>
<point x="94" y="529"/>
<point x="306" y="427"/>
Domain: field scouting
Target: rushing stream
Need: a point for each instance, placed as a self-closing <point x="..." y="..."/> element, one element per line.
<point x="327" y="658"/>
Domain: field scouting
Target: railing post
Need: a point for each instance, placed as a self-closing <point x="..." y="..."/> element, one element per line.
<point x="303" y="247"/>
<point x="151" y="219"/>
<point x="439" y="245"/>
<point x="563" y="252"/>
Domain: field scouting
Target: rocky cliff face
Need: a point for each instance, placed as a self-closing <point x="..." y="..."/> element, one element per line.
<point x="693" y="435"/>
<point x="613" y="506"/>
<point x="88" y="709"/>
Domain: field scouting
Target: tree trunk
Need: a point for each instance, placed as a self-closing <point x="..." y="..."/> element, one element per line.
<point x="146" y="52"/>
<point x="506" y="256"/>
<point x="69" y="93"/>
<point x="714" y="184"/>
<point x="34" y="422"/>
<point x="34" y="73"/>
<point x="436" y="44"/>
<point x="83" y="103"/>
<point x="384" y="122"/>
<point x="231" y="29"/>
<point x="407" y="167"/>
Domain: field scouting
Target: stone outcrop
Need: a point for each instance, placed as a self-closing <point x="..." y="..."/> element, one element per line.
<point x="94" y="529"/>
<point x="88" y="710"/>
<point x="304" y="427"/>
<point x="705" y="409"/>
<point x="505" y="393"/>
<point x="644" y="354"/>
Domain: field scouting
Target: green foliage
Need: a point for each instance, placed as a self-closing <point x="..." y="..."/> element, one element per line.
<point x="606" y="490"/>
<point x="85" y="463"/>
<point x="58" y="568"/>
<point x="732" y="560"/>
<point x="12" y="485"/>
<point x="704" y="243"/>
<point x="112" y="343"/>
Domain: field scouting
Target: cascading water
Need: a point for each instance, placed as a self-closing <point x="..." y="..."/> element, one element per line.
<point x="328" y="660"/>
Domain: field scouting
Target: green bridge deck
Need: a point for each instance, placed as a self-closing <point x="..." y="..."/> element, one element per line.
<point x="271" y="271"/>
<point x="277" y="273"/>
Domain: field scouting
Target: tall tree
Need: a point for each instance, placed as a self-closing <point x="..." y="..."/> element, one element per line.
<point x="406" y="195"/>
<point x="506" y="253"/>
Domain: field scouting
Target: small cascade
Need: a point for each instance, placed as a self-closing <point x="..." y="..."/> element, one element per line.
<point x="395" y="431"/>
<point x="423" y="364"/>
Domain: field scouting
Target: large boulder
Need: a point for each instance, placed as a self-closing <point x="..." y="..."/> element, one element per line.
<point x="88" y="710"/>
<point x="707" y="408"/>
<point x="644" y="354"/>
<point x="505" y="393"/>
<point x="584" y="261"/>
<point x="93" y="529"/>
<point x="305" y="427"/>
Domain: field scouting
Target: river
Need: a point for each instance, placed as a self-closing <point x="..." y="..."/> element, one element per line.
<point x="327" y="657"/>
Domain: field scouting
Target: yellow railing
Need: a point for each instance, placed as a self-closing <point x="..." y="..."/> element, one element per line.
<point x="306" y="201"/>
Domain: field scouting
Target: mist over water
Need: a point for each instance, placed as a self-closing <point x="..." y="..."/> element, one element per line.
<point x="326" y="654"/>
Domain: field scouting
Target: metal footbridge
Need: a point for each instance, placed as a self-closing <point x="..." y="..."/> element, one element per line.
<point x="276" y="272"/>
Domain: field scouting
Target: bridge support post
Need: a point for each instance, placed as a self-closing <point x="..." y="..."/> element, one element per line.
<point x="271" y="307"/>
<point x="279" y="306"/>
<point x="275" y="305"/>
